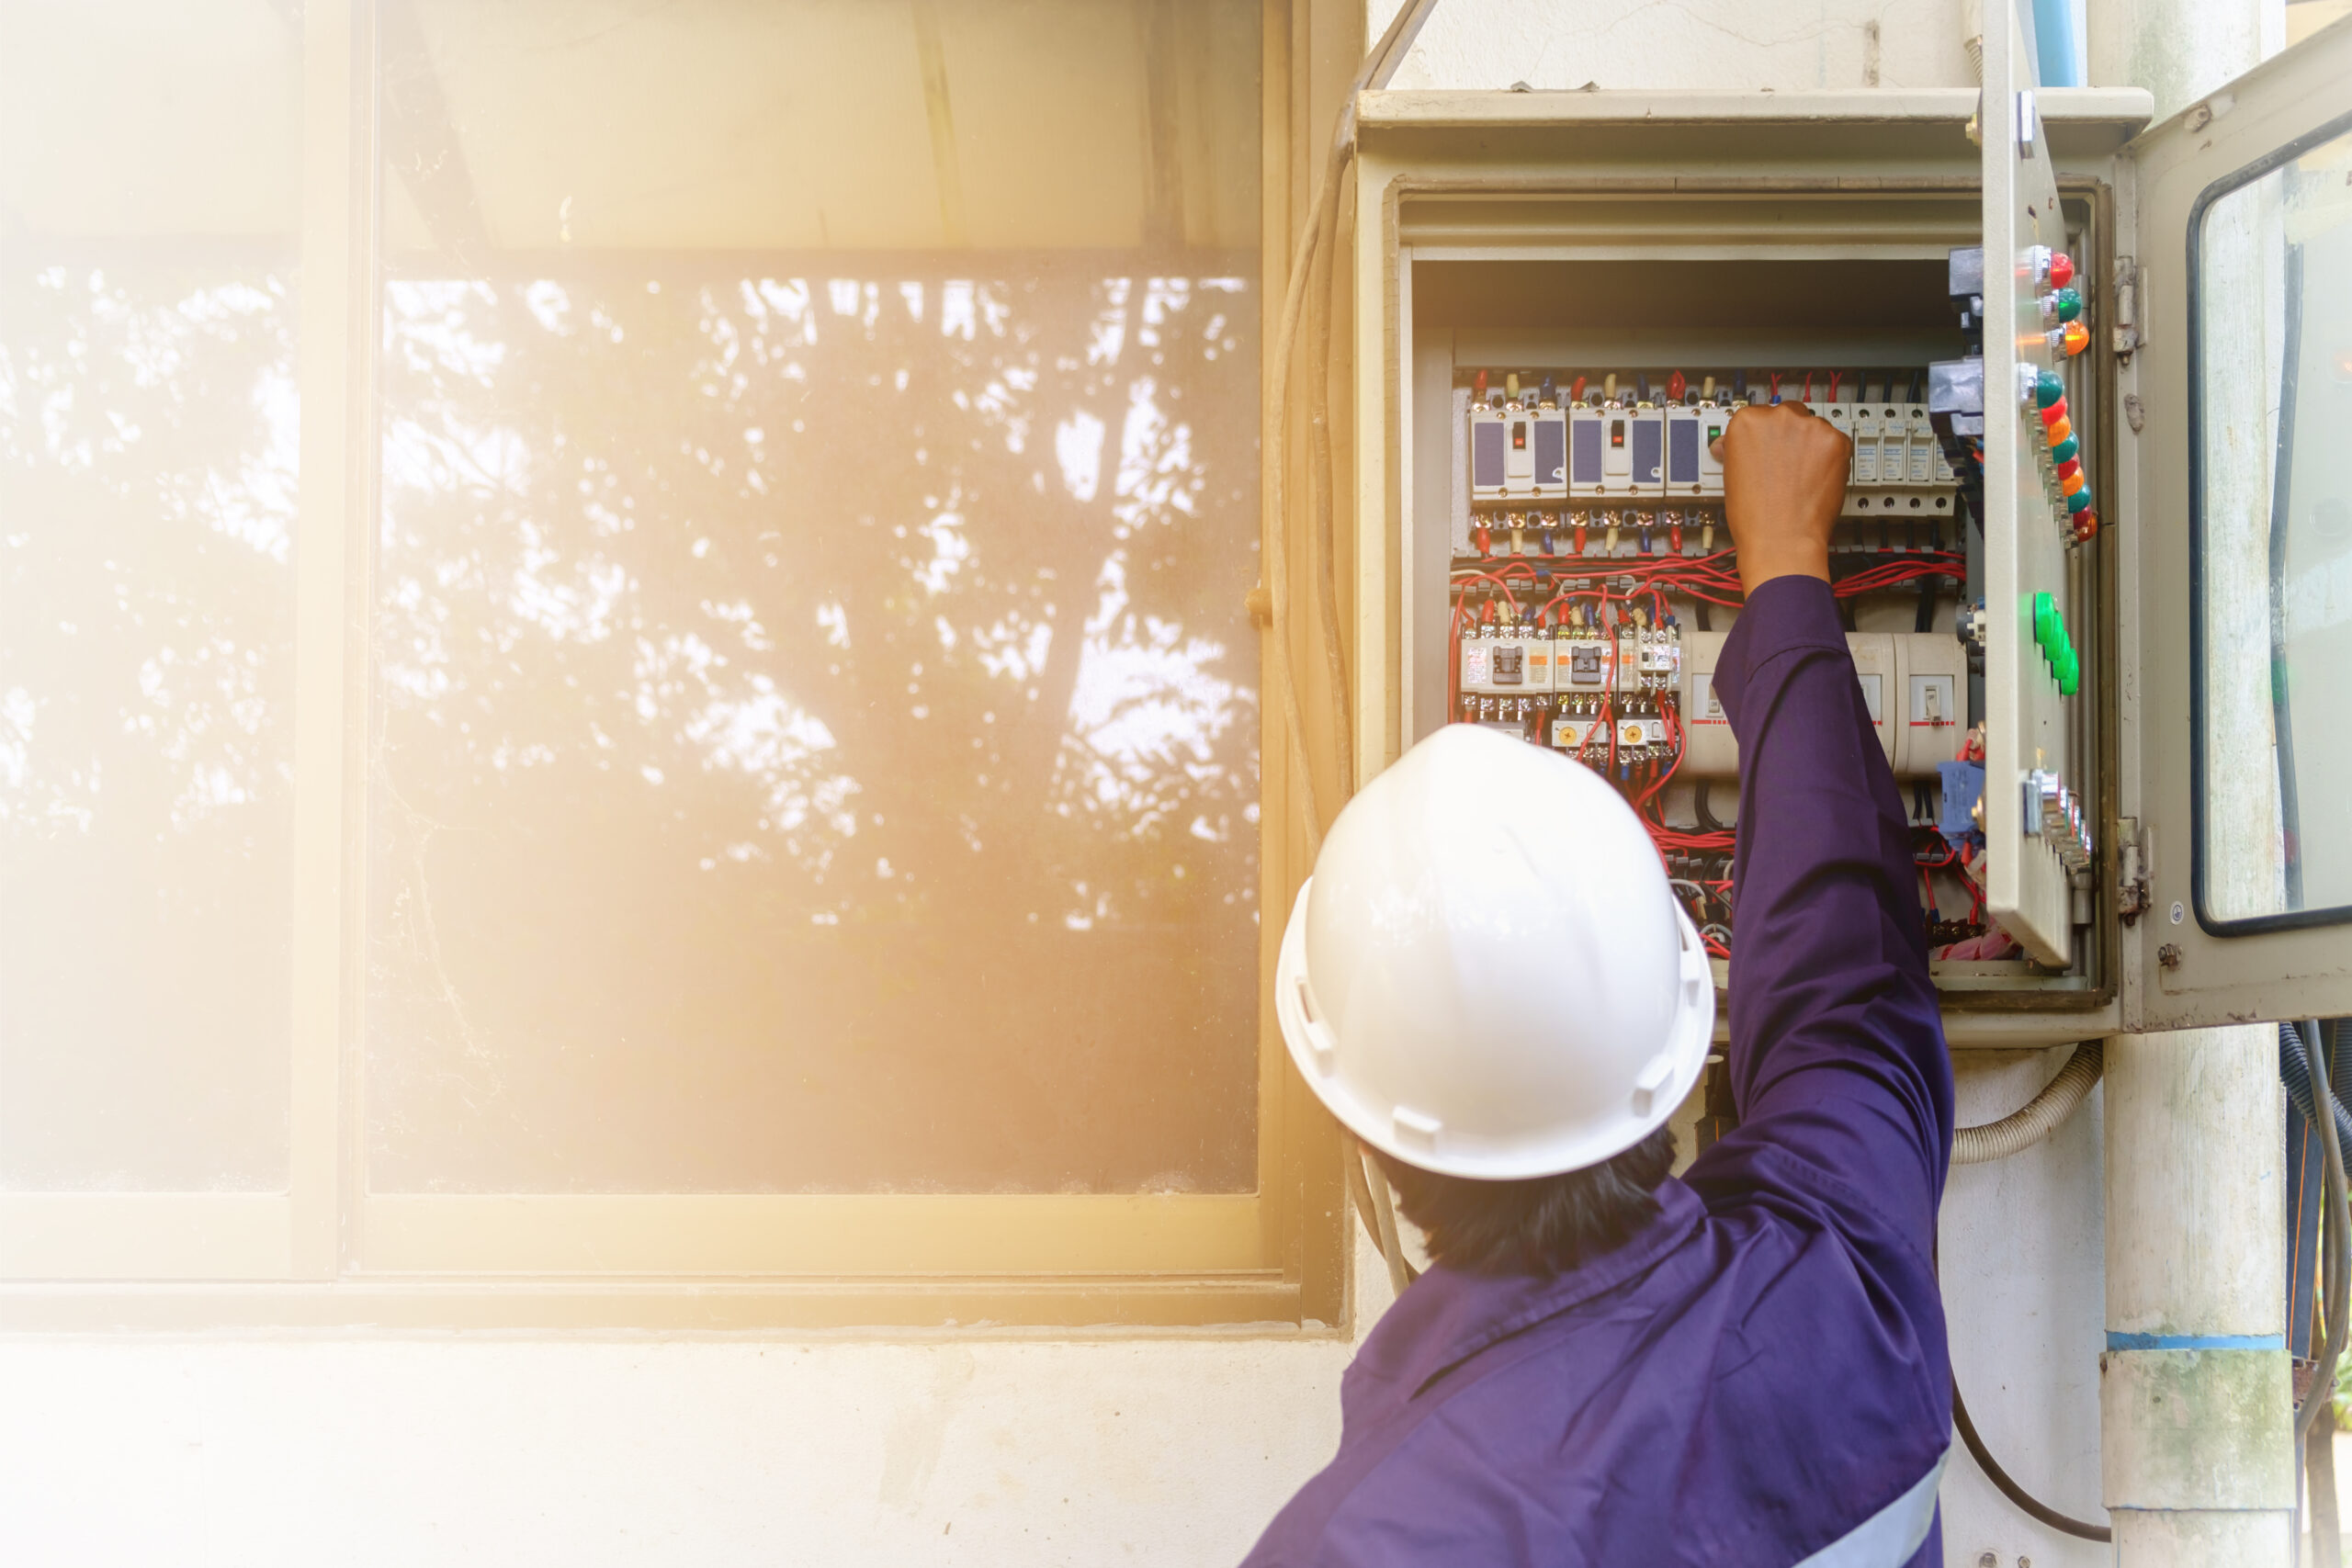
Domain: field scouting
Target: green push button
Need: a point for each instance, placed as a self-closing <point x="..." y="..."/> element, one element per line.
<point x="2045" y="624"/>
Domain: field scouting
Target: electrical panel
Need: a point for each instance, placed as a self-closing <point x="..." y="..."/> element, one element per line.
<point x="2062" y="598"/>
<point x="1590" y="616"/>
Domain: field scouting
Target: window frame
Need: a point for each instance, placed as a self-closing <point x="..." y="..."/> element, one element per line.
<point x="2199" y="828"/>
<point x="328" y="1253"/>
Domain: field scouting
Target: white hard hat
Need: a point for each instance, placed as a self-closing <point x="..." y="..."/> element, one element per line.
<point x="1487" y="976"/>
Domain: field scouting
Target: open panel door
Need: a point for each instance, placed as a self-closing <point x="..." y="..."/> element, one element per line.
<point x="2242" y="540"/>
<point x="2037" y="831"/>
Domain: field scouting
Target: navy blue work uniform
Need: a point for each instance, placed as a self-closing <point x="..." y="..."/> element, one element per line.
<point x="1758" y="1377"/>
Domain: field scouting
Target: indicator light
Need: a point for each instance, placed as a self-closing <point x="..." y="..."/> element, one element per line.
<point x="2074" y="483"/>
<point x="2065" y="451"/>
<point x="2062" y="269"/>
<point x="2070" y="339"/>
<point x="2063" y="304"/>
<point x="2048" y="389"/>
<point x="2086" y="525"/>
<point x="2060" y="429"/>
<point x="2079" y="500"/>
<point x="2070" y="470"/>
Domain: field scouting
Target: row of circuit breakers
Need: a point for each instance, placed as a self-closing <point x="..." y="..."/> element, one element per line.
<point x="1557" y="685"/>
<point x="1602" y="445"/>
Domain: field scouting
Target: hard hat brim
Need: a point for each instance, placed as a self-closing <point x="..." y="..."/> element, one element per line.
<point x="1321" y="1059"/>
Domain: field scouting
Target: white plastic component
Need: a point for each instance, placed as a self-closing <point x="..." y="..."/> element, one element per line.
<point x="1617" y="451"/>
<point x="1661" y="656"/>
<point x="1535" y="645"/>
<point x="1935" y="704"/>
<point x="2028" y="726"/>
<point x="1493" y="995"/>
<point x="1924" y="449"/>
<point x="1477" y="662"/>
<point x="1714" y="418"/>
<point x="1629" y="657"/>
<point x="1865" y="433"/>
<point x="1842" y="416"/>
<point x="1584" y="664"/>
<point x="1571" y="731"/>
<point x="1517" y="453"/>
<point x="1709" y="751"/>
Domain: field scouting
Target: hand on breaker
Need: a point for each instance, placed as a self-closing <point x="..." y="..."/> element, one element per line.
<point x="1784" y="481"/>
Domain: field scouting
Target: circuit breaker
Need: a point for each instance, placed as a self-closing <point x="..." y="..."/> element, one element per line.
<point x="1571" y="297"/>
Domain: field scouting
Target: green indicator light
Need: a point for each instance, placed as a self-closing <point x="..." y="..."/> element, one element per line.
<point x="2068" y="302"/>
<point x="2065" y="451"/>
<point x="2047" y="388"/>
<point x="2080" y="500"/>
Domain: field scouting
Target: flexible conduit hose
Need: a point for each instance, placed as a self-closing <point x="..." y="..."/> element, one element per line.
<point x="2041" y="1115"/>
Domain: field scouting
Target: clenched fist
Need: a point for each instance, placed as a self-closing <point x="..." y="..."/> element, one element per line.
<point x="1784" y="481"/>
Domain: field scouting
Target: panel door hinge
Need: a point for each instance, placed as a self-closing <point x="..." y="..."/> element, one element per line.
<point x="2125" y="312"/>
<point x="2132" y="878"/>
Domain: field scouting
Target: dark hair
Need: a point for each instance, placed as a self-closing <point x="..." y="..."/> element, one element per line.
<point x="1546" y="1225"/>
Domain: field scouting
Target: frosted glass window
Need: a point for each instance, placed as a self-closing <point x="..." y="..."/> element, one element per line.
<point x="815" y="740"/>
<point x="149" y="418"/>
<point x="2274" y="544"/>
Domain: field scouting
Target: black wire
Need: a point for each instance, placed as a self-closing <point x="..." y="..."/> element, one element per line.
<point x="2338" y="1276"/>
<point x="2295" y="1071"/>
<point x="1699" y="805"/>
<point x="2016" y="1493"/>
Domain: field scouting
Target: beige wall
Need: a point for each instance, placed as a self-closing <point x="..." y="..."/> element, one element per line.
<point x="311" y="1450"/>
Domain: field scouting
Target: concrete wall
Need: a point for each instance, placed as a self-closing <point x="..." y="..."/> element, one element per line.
<point x="1163" y="1453"/>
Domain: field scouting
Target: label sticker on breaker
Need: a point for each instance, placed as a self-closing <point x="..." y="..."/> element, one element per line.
<point x="1477" y="665"/>
<point x="1705" y="707"/>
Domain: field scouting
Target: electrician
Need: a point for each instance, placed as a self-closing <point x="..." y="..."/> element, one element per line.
<point x="1489" y="983"/>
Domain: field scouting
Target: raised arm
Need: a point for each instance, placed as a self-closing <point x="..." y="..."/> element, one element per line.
<point x="1836" y="1046"/>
